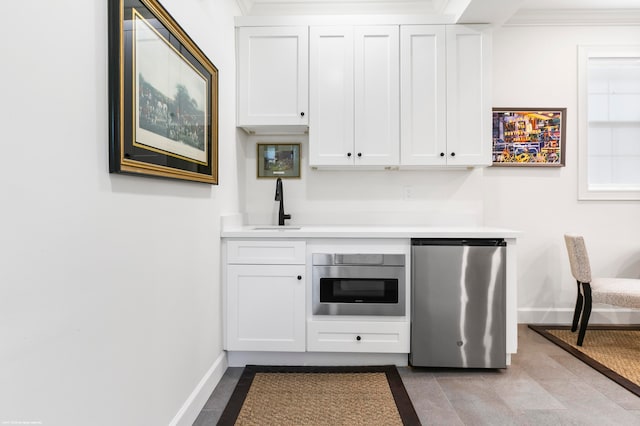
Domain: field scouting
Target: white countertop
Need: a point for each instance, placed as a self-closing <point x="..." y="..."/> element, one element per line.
<point x="349" y="231"/>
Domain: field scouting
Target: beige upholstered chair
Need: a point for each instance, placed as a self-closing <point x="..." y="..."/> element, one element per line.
<point x="623" y="292"/>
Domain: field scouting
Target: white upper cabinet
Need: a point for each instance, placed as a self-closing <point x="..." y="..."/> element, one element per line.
<point x="468" y="96"/>
<point x="377" y="95"/>
<point x="371" y="96"/>
<point x="446" y="103"/>
<point x="423" y="94"/>
<point x="273" y="79"/>
<point x="331" y="96"/>
<point x="354" y="96"/>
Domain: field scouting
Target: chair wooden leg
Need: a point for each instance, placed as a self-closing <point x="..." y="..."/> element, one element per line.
<point x="586" y="312"/>
<point x="578" y="310"/>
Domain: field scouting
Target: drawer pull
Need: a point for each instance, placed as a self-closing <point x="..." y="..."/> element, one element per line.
<point x="299" y="277"/>
<point x="358" y="338"/>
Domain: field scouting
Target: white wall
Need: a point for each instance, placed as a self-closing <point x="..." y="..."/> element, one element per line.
<point x="537" y="66"/>
<point x="363" y="197"/>
<point x="109" y="289"/>
<point x="532" y="67"/>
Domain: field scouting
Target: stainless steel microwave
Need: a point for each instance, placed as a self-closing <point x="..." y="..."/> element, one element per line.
<point x="358" y="284"/>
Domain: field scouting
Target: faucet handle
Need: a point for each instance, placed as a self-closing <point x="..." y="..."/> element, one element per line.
<point x="278" y="189"/>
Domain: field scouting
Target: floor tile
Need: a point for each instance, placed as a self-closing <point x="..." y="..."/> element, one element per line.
<point x="475" y="401"/>
<point x="599" y="381"/>
<point x="545" y="385"/>
<point x="429" y="401"/>
<point x="522" y="392"/>
<point x="587" y="404"/>
<point x="207" y="418"/>
<point x="221" y="394"/>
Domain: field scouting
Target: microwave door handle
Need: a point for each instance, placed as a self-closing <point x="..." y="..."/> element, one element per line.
<point x="359" y="259"/>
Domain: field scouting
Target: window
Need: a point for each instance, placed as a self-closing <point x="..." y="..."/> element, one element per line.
<point x="609" y="123"/>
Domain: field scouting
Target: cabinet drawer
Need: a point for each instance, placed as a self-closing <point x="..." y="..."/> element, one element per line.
<point x="358" y="336"/>
<point x="266" y="252"/>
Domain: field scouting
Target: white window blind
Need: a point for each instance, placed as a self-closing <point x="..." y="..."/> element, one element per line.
<point x="609" y="122"/>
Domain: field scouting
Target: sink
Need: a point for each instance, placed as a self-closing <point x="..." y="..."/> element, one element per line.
<point x="275" y="228"/>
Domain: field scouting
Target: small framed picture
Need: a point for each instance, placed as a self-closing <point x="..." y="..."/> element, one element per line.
<point x="278" y="160"/>
<point x="530" y="137"/>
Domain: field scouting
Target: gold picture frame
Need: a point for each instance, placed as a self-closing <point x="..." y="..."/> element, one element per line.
<point x="163" y="97"/>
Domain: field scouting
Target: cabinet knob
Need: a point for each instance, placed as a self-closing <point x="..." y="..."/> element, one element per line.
<point x="359" y="154"/>
<point x="453" y="154"/>
<point x="348" y="154"/>
<point x="358" y="338"/>
<point x="302" y="114"/>
<point x="299" y="277"/>
<point x="442" y="154"/>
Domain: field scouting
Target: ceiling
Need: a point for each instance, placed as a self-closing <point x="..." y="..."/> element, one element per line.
<point x="497" y="12"/>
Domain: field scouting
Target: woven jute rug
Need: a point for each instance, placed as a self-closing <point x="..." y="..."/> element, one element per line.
<point x="319" y="396"/>
<point x="612" y="350"/>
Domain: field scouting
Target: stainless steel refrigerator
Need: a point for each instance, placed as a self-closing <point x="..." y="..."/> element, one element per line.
<point x="458" y="315"/>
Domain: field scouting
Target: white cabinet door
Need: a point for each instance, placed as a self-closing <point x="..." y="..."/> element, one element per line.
<point x="446" y="99"/>
<point x="331" y="96"/>
<point x="272" y="76"/>
<point x="468" y="96"/>
<point x="423" y="94"/>
<point x="266" y="308"/>
<point x="354" y="96"/>
<point x="377" y="95"/>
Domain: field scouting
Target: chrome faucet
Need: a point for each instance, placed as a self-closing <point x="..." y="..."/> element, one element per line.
<point x="280" y="197"/>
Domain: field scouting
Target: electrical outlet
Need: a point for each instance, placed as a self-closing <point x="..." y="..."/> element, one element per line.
<point x="407" y="192"/>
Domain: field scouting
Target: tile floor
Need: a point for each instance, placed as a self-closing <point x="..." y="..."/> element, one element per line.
<point x="543" y="386"/>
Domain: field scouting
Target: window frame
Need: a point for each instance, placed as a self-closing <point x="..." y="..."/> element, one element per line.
<point x="584" y="54"/>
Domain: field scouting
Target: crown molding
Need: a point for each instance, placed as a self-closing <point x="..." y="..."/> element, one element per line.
<point x="338" y="7"/>
<point x="523" y="17"/>
<point x="539" y="17"/>
<point x="245" y="6"/>
<point x="297" y="20"/>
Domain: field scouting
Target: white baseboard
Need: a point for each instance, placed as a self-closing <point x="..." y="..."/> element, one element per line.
<point x="565" y="316"/>
<point x="241" y="359"/>
<point x="194" y="403"/>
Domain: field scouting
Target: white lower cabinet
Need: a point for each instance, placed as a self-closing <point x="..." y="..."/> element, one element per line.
<point x="268" y="317"/>
<point x="266" y="307"/>
<point x="266" y="299"/>
<point x="358" y="336"/>
<point x="265" y="303"/>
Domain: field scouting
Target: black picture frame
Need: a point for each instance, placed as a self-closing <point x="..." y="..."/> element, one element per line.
<point x="529" y="137"/>
<point x="163" y="97"/>
<point x="278" y="160"/>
